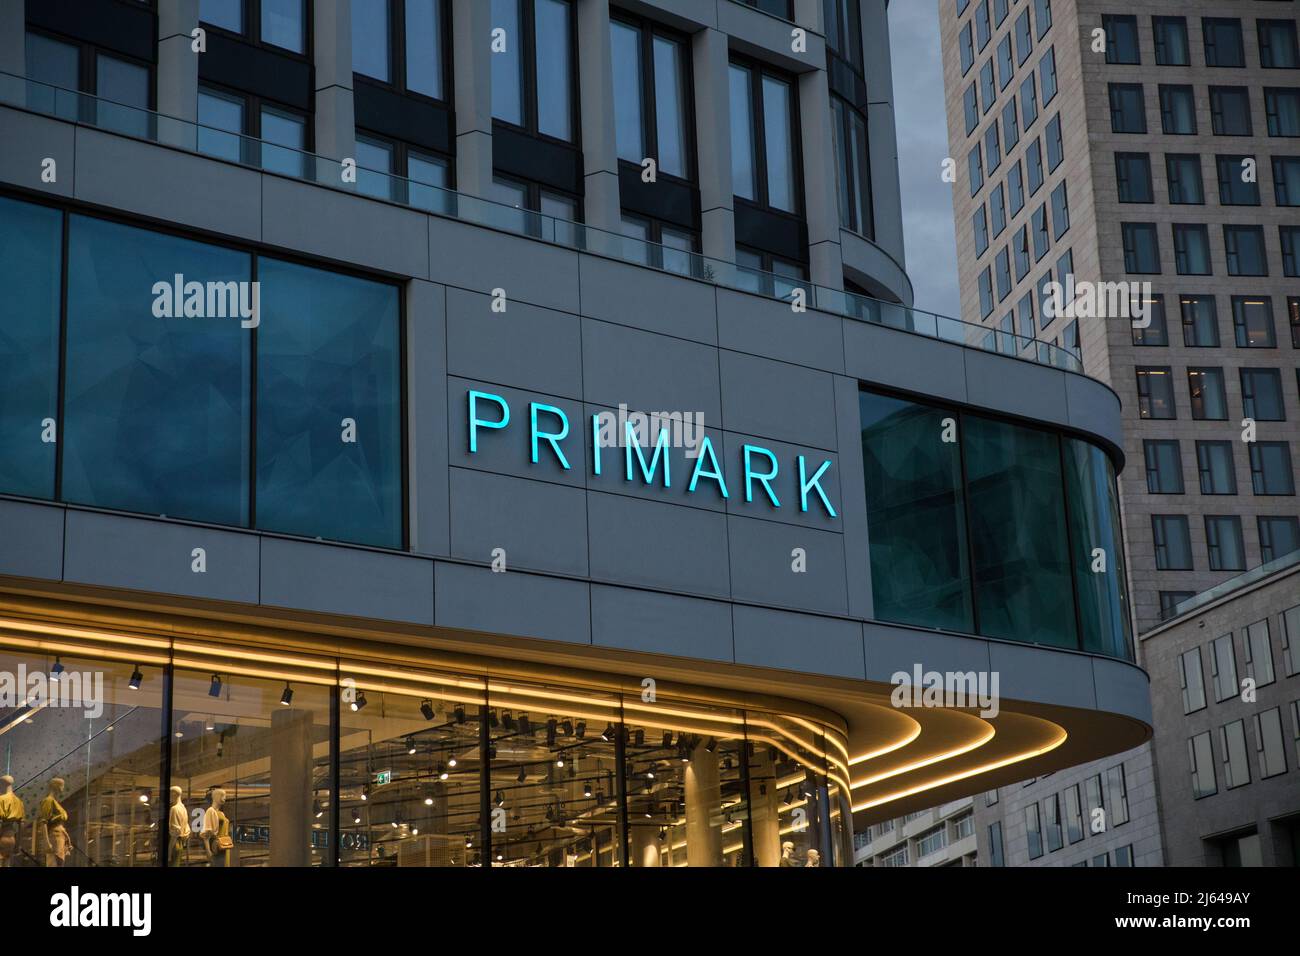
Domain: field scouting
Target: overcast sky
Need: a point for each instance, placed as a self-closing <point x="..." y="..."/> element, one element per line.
<point x="922" y="147"/>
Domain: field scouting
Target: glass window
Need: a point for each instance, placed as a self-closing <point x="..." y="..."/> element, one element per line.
<point x="375" y="168"/>
<point x="1127" y="109"/>
<point x="967" y="49"/>
<point x="1121" y="38"/>
<point x="1034" y="831"/>
<point x="156" y="410"/>
<point x="1236" y="765"/>
<point x="629" y="124"/>
<point x="1261" y="394"/>
<point x="1226" y="546"/>
<point x="1073" y="815"/>
<point x="1043" y="14"/>
<point x="1042" y="243"/>
<point x="252" y="769"/>
<point x="123" y="91"/>
<point x="1170" y="35"/>
<point x="424" y="46"/>
<point x="1117" y="792"/>
<point x="779" y="140"/>
<point x="980" y="225"/>
<point x="1141" y="248"/>
<point x="1010" y="127"/>
<point x="1094" y="523"/>
<point x="1223" y="668"/>
<point x="1156" y="332"/>
<point x="1034" y="166"/>
<point x="915" y="511"/>
<point x="1230" y="111"/>
<point x="1173" y="544"/>
<point x="1052" y="822"/>
<point x="1200" y="321"/>
<point x="1201" y="763"/>
<point x="1291" y="651"/>
<point x="1185" y="184"/>
<point x="1259" y="653"/>
<point x="227" y="14"/>
<point x="507" y="63"/>
<point x="986" y="292"/>
<point x="1177" y="110"/>
<point x="744" y="160"/>
<point x="853" y="169"/>
<point x="1214" y="462"/>
<point x="671" y="96"/>
<point x="1246" y="253"/>
<point x="1060" y="211"/>
<point x="1192" y="680"/>
<point x="971" y="108"/>
<point x="1155" y="392"/>
<point x="31" y="244"/>
<point x="1223" y="41"/>
<point x="56" y="64"/>
<point x="1016" y="188"/>
<point x="1047" y="75"/>
<point x="283" y="23"/>
<point x="284" y="137"/>
<point x="1028" y="101"/>
<point x="1170" y="600"/>
<point x="1133" y="176"/>
<point x="988" y="85"/>
<point x="1024" y="38"/>
<point x="1237" y="185"/>
<point x="1290" y="238"/>
<point x="371" y="55"/>
<point x="1270" y="751"/>
<point x="1270" y="468"/>
<point x="1286" y="180"/>
<point x="554" y="68"/>
<point x="983" y="28"/>
<point x="1282" y="109"/>
<point x="1209" y="401"/>
<point x="221" y="125"/>
<point x="1006" y="62"/>
<point x="1164" y="467"/>
<point x="328" y="380"/>
<point x="1191" y="249"/>
<point x="429" y="182"/>
<point x="1278" y="536"/>
<point x="1277" y="44"/>
<point x="1022" y="581"/>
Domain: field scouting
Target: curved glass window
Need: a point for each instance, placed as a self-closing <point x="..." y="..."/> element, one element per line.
<point x="328" y="406"/>
<point x="157" y="394"/>
<point x="993" y="528"/>
<point x="30" y="241"/>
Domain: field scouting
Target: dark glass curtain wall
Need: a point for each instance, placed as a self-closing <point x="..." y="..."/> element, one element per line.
<point x="988" y="527"/>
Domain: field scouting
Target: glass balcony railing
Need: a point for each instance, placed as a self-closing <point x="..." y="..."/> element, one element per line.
<point x="287" y="160"/>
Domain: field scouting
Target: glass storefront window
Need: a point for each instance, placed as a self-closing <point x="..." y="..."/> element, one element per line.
<point x="253" y="770"/>
<point x="30" y="244"/>
<point x="1094" y="520"/>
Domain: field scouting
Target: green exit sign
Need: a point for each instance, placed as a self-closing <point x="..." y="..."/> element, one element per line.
<point x="383" y="777"/>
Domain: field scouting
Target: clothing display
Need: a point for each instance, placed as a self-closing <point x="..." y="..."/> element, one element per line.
<point x="216" y="835"/>
<point x="11" y="817"/>
<point x="54" y="819"/>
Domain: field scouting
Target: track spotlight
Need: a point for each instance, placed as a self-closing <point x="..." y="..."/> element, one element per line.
<point x="522" y="775"/>
<point x="550" y="732"/>
<point x="451" y="761"/>
<point x="683" y="754"/>
<point x="144" y="796"/>
<point x="356" y="817"/>
<point x="365" y="792"/>
<point x="317" y="810"/>
<point x="359" y="701"/>
<point x="426" y="709"/>
<point x="459" y="714"/>
<point x="57" y="670"/>
<point x="712" y="745"/>
<point x="668" y="738"/>
<point x="586" y="789"/>
<point x="566" y="728"/>
<point x="286" y="698"/>
<point x="500" y="798"/>
<point x="525" y="725"/>
<point x="608" y="732"/>
<point x="442" y="772"/>
<point x="581" y="729"/>
<point x="508" y="721"/>
<point x="468" y="843"/>
<point x="136" y="679"/>
<point x="214" y="690"/>
<point x="410" y="745"/>
<point x="428" y="800"/>
<point x="640" y="738"/>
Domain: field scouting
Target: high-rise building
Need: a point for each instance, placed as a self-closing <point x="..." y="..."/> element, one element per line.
<point x="940" y="836"/>
<point x="1102" y="147"/>
<point x="463" y="433"/>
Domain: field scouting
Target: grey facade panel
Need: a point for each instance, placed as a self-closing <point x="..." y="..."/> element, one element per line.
<point x="660" y="623"/>
<point x="644" y="299"/>
<point x="31" y="540"/>
<point x="1094" y="409"/>
<point x="657" y="545"/>
<point x="481" y="260"/>
<point x="759" y="326"/>
<point x="29" y="140"/>
<point x="158" y="556"/>
<point x="798" y="642"/>
<point x="536" y="524"/>
<point x="880" y="356"/>
<point x="1122" y="688"/>
<point x="427" y="426"/>
<point x="853" y="501"/>
<point x="526" y="346"/>
<point x="334" y="580"/>
<point x="763" y="565"/>
<point x="513" y="603"/>
<point x="649" y="372"/>
<point x="777" y="400"/>
<point x="891" y="650"/>
<point x="1016" y="387"/>
<point x="785" y="486"/>
<point x="1036" y="673"/>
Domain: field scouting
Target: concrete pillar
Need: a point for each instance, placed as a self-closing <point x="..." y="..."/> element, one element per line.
<point x="765" y="816"/>
<point x="13" y="51"/>
<point x="881" y="134"/>
<point x="336" y="121"/>
<point x="471" y="23"/>
<point x="703" y="809"/>
<point x="821" y="190"/>
<point x="291" y="793"/>
<point x="713" y="143"/>
<point x="645" y="845"/>
<point x="602" y="206"/>
<point x="178" y="74"/>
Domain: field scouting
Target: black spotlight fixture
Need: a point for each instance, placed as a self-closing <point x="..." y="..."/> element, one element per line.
<point x="214" y="690"/>
<point x="57" y="670"/>
<point x="522" y="775"/>
<point x="639" y="737"/>
<point x="508" y="721"/>
<point x="286" y="698"/>
<point x="525" y="725"/>
<point x="410" y="745"/>
<point x="442" y="772"/>
<point x="459" y="713"/>
<point x="711" y="745"/>
<point x="550" y="732"/>
<point x="586" y="789"/>
<point x="493" y="721"/>
<point x="580" y="729"/>
<point x="359" y="701"/>
<point x="668" y="739"/>
<point x="317" y="810"/>
<point x="426" y="709"/>
<point x="136" y="679"/>
<point x="500" y="797"/>
<point x="356" y="817"/>
<point x="683" y="754"/>
<point x="608" y="732"/>
<point x="566" y="728"/>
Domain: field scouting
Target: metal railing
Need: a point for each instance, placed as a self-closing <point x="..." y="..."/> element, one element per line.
<point x="287" y="160"/>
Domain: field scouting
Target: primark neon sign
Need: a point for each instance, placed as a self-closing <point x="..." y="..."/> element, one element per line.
<point x="549" y="434"/>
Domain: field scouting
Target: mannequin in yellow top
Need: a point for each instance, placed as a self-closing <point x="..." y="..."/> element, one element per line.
<point x="215" y="834"/>
<point x="51" y="836"/>
<point x="178" y="828"/>
<point x="11" y="818"/>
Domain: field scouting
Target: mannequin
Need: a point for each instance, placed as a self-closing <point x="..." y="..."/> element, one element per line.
<point x="178" y="828"/>
<point x="51" y="836"/>
<point x="787" y="854"/>
<point x="216" y="832"/>
<point x="814" y="858"/>
<point x="11" y="818"/>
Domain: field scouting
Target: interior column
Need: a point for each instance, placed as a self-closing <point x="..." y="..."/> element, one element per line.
<point x="291" y="794"/>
